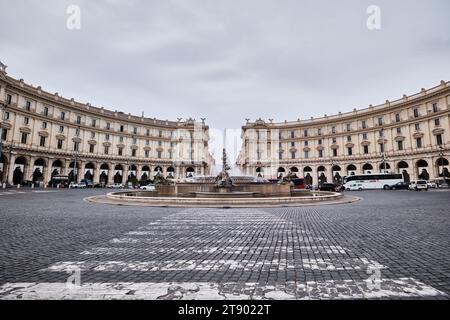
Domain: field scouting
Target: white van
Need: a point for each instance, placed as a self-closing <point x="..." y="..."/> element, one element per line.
<point x="418" y="185"/>
<point x="353" y="186"/>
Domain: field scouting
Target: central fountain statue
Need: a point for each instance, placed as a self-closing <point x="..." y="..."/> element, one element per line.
<point x="223" y="180"/>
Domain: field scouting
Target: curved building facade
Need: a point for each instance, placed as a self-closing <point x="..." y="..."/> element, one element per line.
<point x="44" y="135"/>
<point x="409" y="136"/>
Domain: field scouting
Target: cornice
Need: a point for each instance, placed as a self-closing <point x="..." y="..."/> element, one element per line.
<point x="36" y="93"/>
<point x="406" y="102"/>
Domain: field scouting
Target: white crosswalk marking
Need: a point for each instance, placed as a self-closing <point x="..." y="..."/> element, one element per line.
<point x="204" y="237"/>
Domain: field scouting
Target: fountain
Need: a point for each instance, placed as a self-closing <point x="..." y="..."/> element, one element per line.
<point x="222" y="191"/>
<point x="223" y="180"/>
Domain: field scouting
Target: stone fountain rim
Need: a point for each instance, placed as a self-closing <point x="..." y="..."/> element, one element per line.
<point x="119" y="198"/>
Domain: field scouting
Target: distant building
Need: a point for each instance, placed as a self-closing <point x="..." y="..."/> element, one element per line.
<point x="46" y="135"/>
<point x="410" y="135"/>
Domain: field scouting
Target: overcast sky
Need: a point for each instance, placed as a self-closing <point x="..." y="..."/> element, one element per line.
<point x="227" y="60"/>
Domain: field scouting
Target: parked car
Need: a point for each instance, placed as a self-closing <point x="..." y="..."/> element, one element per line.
<point x="115" y="186"/>
<point x="89" y="183"/>
<point x="149" y="187"/>
<point x="74" y="185"/>
<point x="82" y="185"/>
<point x="354" y="186"/>
<point x="418" y="185"/>
<point x="400" y="186"/>
<point x="331" y="187"/>
<point x="432" y="184"/>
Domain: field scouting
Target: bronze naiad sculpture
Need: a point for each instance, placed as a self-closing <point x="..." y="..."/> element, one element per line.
<point x="288" y="178"/>
<point x="223" y="180"/>
<point x="161" y="180"/>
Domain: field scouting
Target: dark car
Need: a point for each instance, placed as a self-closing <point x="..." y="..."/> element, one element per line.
<point x="88" y="183"/>
<point x="400" y="186"/>
<point x="328" y="187"/>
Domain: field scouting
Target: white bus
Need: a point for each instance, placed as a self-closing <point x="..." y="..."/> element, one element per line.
<point x="374" y="180"/>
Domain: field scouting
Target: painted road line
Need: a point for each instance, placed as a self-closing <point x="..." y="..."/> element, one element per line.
<point x="346" y="289"/>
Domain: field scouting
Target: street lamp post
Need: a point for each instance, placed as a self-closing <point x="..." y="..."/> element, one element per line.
<point x="75" y="170"/>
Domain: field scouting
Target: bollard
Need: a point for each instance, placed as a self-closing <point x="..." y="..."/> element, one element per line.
<point x="4" y="185"/>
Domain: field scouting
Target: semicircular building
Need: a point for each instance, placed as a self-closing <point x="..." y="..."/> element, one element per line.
<point x="44" y="135"/>
<point x="409" y="136"/>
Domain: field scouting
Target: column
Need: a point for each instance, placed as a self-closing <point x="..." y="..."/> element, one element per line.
<point x="29" y="169"/>
<point x="139" y="172"/>
<point x="11" y="169"/>
<point x="47" y="172"/>
<point x="111" y="173"/>
<point x="80" y="175"/>
<point x="177" y="172"/>
<point x="96" y="173"/>
<point x="2" y="93"/>
<point x="329" y="173"/>
<point x="66" y="168"/>
<point x="125" y="174"/>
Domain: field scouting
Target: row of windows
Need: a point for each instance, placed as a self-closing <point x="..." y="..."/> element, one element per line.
<point x="26" y="121"/>
<point x="349" y="127"/>
<point x="93" y="123"/>
<point x="76" y="146"/>
<point x="381" y="133"/>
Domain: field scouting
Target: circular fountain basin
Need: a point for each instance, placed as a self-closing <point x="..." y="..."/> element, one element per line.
<point x="222" y="200"/>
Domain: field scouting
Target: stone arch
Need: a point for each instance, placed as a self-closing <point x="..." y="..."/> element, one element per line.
<point x="294" y="171"/>
<point x="19" y="170"/>
<point x="118" y="173"/>
<point x="442" y="166"/>
<point x="321" y="170"/>
<point x="402" y="167"/>
<point x="384" y="166"/>
<point x="132" y="171"/>
<point x="104" y="174"/>
<point x="281" y="172"/>
<point x="351" y="170"/>
<point x="38" y="170"/>
<point x="336" y="168"/>
<point x="89" y="171"/>
<point x="422" y="169"/>
<point x="308" y="175"/>
<point x="367" y="168"/>
<point x="57" y="166"/>
<point x="74" y="171"/>
<point x="190" y="172"/>
<point x="170" y="172"/>
<point x="259" y="172"/>
<point x="336" y="173"/>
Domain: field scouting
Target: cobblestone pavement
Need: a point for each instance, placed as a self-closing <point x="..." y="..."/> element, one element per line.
<point x="389" y="245"/>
